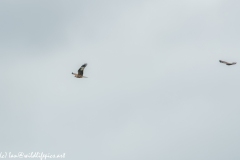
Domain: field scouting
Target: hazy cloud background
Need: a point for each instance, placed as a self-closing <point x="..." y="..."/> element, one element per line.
<point x="155" y="89"/>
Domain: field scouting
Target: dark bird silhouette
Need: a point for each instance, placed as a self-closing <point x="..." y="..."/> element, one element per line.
<point x="227" y="63"/>
<point x="80" y="72"/>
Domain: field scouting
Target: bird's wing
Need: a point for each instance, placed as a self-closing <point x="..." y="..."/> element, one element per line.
<point x="223" y="62"/>
<point x="80" y="71"/>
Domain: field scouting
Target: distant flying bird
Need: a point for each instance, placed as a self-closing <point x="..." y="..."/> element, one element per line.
<point x="227" y="63"/>
<point x="80" y="72"/>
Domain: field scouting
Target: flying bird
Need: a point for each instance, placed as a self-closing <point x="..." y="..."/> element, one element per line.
<point x="227" y="63"/>
<point x="80" y="72"/>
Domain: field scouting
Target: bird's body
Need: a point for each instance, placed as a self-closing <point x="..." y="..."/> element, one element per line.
<point x="80" y="72"/>
<point x="227" y="63"/>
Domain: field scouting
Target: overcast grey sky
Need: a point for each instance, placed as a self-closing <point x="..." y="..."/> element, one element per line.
<point x="155" y="89"/>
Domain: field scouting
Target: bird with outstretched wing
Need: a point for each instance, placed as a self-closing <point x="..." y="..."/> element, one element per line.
<point x="80" y="72"/>
<point x="227" y="63"/>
